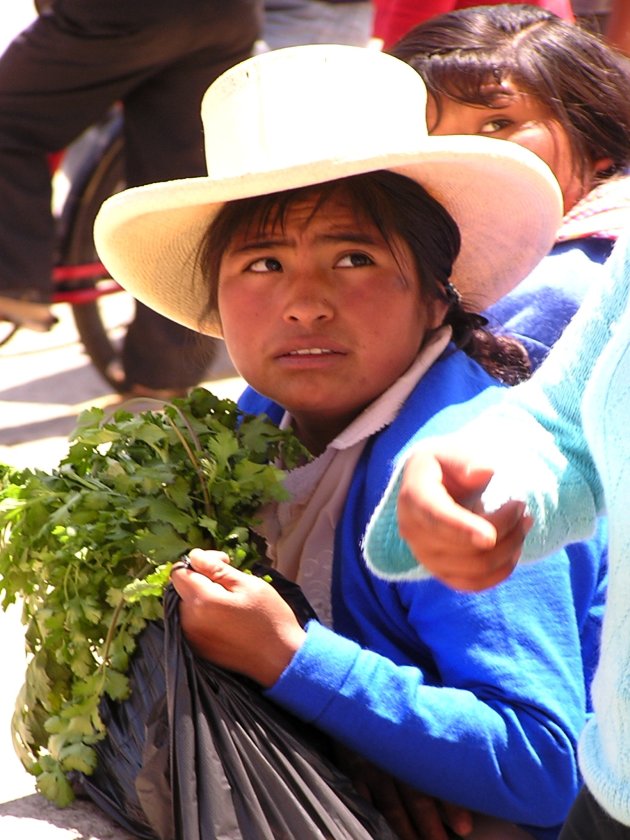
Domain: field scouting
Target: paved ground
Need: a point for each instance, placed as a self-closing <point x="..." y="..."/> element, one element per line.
<point x="45" y="380"/>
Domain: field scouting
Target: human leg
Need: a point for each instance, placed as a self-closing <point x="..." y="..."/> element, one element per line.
<point x="56" y="79"/>
<point x="161" y="356"/>
<point x="42" y="108"/>
<point x="63" y="75"/>
<point x="164" y="141"/>
<point x="587" y="820"/>
<point x="163" y="131"/>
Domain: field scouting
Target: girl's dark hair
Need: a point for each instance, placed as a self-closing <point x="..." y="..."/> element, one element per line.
<point x="398" y="207"/>
<point x="581" y="79"/>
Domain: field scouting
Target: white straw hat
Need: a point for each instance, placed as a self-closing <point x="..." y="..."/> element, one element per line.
<point x="305" y="115"/>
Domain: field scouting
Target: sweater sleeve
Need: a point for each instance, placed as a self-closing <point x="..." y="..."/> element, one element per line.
<point x="497" y="714"/>
<point x="535" y="438"/>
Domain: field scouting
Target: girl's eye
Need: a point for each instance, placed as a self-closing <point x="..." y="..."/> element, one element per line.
<point x="265" y="264"/>
<point x="492" y="126"/>
<point x="354" y="260"/>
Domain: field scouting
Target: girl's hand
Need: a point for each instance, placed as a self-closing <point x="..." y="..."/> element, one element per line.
<point x="411" y="814"/>
<point x="235" y="620"/>
<point x="440" y="516"/>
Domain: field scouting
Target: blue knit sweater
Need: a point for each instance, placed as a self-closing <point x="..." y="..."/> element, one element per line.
<point x="473" y="699"/>
<point x="572" y="462"/>
<point x="540" y="307"/>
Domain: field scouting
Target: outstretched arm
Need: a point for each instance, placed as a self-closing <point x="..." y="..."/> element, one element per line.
<point x="533" y="447"/>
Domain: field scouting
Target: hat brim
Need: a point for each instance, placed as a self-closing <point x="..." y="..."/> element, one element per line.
<point x="504" y="199"/>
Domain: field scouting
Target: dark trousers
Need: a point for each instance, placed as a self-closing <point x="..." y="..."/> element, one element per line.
<point x="157" y="57"/>
<point x="588" y="821"/>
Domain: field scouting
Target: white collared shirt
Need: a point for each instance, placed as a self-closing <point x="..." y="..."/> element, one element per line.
<point x="300" y="533"/>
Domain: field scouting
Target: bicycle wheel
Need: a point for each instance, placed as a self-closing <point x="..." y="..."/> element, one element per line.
<point x="100" y="175"/>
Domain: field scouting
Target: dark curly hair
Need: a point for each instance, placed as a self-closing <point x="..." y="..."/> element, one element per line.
<point x="582" y="80"/>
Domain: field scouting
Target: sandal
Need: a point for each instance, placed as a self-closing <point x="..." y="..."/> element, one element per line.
<point x="27" y="313"/>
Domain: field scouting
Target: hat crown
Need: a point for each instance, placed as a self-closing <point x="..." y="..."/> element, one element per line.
<point x="261" y="117"/>
<point x="302" y="116"/>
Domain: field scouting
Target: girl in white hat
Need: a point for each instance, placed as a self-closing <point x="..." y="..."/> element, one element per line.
<point x="342" y="254"/>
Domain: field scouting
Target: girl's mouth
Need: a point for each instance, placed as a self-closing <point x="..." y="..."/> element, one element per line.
<point x="311" y="351"/>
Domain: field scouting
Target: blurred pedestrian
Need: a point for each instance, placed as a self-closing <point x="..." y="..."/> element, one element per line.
<point x="61" y="75"/>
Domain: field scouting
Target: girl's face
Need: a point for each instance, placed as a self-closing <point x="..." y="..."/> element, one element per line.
<point x="521" y="118"/>
<point x="319" y="315"/>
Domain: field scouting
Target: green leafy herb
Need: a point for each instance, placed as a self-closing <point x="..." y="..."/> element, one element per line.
<point x="88" y="549"/>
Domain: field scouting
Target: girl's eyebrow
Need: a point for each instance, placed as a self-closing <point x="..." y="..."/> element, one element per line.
<point x="350" y="236"/>
<point x="333" y="236"/>
<point x="256" y="245"/>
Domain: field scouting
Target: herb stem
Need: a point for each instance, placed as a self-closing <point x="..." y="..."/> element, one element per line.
<point x="193" y="459"/>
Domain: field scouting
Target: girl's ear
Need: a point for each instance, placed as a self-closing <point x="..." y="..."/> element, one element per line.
<point x="438" y="314"/>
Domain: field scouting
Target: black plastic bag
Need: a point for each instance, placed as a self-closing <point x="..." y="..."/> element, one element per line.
<point x="198" y="753"/>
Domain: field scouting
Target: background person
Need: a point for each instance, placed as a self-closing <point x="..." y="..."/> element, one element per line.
<point x="62" y="74"/>
<point x="518" y="73"/>
<point x="394" y="18"/>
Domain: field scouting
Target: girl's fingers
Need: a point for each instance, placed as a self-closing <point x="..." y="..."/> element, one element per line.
<point x="204" y="570"/>
<point x="482" y="570"/>
<point x="437" y="497"/>
<point x="208" y="562"/>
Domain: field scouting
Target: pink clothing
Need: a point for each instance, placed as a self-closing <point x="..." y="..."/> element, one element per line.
<point x="394" y="18"/>
<point x="603" y="213"/>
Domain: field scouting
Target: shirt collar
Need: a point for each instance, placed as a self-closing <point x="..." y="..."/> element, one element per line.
<point x="383" y="410"/>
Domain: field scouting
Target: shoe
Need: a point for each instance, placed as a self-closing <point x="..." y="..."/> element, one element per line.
<point x="27" y="313"/>
<point x="115" y="372"/>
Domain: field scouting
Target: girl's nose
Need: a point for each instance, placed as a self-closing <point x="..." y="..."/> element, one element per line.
<point x="307" y="311"/>
<point x="308" y="300"/>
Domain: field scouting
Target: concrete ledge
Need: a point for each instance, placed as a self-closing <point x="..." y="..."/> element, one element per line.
<point x="35" y="818"/>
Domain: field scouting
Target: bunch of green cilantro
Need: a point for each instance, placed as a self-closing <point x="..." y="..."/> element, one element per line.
<point x="87" y="549"/>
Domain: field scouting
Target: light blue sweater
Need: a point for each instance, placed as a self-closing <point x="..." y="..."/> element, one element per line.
<point x="561" y="442"/>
